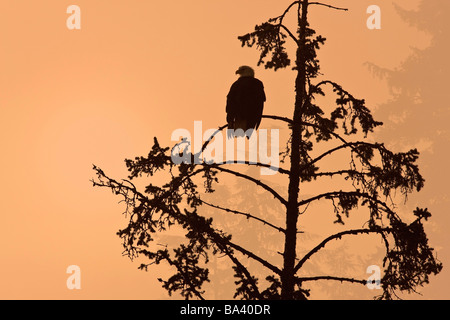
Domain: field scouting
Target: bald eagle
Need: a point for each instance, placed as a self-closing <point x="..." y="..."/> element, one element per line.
<point x="245" y="103"/>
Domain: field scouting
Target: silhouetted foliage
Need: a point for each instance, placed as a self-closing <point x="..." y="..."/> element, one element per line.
<point x="374" y="174"/>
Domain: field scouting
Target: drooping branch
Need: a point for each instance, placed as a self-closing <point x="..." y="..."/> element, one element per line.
<point x="293" y="37"/>
<point x="349" y="109"/>
<point x="284" y="119"/>
<point x="398" y="171"/>
<point x="317" y="127"/>
<point x="357" y="194"/>
<point x="241" y="269"/>
<point x="225" y="242"/>
<point x="249" y="254"/>
<point x="342" y="146"/>
<point x="247" y="215"/>
<point x="338" y="236"/>
<point x="328" y="6"/>
<point x="256" y="181"/>
<point x="120" y="188"/>
<point x="286" y="11"/>
<point x="280" y="20"/>
<point x="186" y="278"/>
<point x="177" y="182"/>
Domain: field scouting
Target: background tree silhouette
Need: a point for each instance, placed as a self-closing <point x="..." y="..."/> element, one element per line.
<point x="417" y="115"/>
<point x="367" y="181"/>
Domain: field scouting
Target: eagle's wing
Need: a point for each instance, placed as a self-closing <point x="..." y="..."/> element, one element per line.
<point x="245" y="103"/>
<point x="259" y="104"/>
<point x="233" y="98"/>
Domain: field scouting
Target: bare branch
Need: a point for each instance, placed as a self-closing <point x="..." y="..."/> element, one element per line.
<point x="256" y="181"/>
<point x="289" y="32"/>
<point x="254" y="257"/>
<point x="286" y="11"/>
<point x="338" y="236"/>
<point x="328" y="6"/>
<point x="345" y="143"/>
<point x="257" y="164"/>
<point x="287" y="120"/>
<point x="247" y="215"/>
<point x="342" y="146"/>
<point x="340" y="172"/>
<point x="342" y="279"/>
<point x="212" y="136"/>
<point x="335" y="194"/>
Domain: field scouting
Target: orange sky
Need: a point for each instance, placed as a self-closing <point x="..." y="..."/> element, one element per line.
<point x="135" y="70"/>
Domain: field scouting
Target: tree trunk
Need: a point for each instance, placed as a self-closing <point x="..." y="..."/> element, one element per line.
<point x="288" y="276"/>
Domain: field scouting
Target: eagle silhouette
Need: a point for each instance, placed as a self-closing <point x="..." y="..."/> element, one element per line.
<point x="245" y="103"/>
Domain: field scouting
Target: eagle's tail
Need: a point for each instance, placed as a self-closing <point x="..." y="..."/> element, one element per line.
<point x="239" y="128"/>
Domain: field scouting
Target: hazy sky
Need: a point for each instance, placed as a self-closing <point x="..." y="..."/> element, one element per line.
<point x="135" y="70"/>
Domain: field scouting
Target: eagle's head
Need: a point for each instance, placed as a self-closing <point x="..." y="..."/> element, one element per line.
<point x="245" y="71"/>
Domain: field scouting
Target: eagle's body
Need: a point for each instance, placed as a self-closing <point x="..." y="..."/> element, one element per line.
<point x="245" y="102"/>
